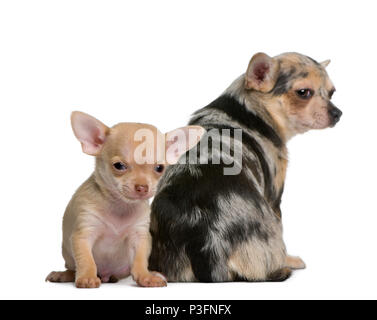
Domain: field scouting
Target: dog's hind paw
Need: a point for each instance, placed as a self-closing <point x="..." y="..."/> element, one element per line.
<point x="295" y="263"/>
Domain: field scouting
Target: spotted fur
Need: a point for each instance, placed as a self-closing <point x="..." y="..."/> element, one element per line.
<point x="210" y="227"/>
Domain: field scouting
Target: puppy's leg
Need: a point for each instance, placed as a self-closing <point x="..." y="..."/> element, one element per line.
<point x="86" y="269"/>
<point x="139" y="271"/>
<point x="295" y="263"/>
<point x="64" y="276"/>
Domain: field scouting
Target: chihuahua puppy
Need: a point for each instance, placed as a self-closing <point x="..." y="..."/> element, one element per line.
<point x="106" y="224"/>
<point x="211" y="227"/>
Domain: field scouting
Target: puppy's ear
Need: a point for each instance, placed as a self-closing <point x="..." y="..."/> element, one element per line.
<point x="89" y="131"/>
<point x="178" y="141"/>
<point x="325" y="63"/>
<point x="261" y="73"/>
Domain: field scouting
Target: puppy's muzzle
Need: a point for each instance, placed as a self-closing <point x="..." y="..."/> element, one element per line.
<point x="334" y="113"/>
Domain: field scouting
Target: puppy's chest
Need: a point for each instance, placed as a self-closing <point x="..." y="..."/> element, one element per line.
<point x="116" y="228"/>
<point x="113" y="249"/>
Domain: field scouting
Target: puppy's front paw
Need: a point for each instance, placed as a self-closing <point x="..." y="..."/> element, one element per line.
<point x="295" y="263"/>
<point x="152" y="280"/>
<point x="88" y="282"/>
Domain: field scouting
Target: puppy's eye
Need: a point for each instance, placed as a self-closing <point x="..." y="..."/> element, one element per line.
<point x="305" y="93"/>
<point x="120" y="166"/>
<point x="159" y="168"/>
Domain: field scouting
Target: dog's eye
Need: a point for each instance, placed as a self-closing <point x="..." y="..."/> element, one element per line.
<point x="160" y="168"/>
<point x="305" y="93"/>
<point x="120" y="166"/>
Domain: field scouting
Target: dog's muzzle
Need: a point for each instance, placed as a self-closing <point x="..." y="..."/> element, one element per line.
<point x="334" y="113"/>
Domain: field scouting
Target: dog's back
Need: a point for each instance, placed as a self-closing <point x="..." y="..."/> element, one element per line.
<point x="203" y="221"/>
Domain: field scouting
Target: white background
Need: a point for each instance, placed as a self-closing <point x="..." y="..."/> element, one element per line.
<point x="157" y="62"/>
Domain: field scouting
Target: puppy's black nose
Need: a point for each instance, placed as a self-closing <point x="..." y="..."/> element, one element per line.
<point x="335" y="114"/>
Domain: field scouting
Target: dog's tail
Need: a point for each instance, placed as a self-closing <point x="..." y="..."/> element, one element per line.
<point x="280" y="275"/>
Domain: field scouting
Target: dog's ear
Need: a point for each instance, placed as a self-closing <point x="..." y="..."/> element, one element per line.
<point x="89" y="131"/>
<point x="262" y="73"/>
<point x="178" y="141"/>
<point x="325" y="63"/>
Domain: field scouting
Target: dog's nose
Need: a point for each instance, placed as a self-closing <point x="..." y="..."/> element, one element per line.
<point x="141" y="188"/>
<point x="335" y="114"/>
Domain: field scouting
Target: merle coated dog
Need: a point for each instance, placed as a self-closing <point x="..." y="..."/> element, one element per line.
<point x="213" y="227"/>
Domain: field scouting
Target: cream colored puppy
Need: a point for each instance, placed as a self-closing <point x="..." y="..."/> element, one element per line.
<point x="106" y="224"/>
